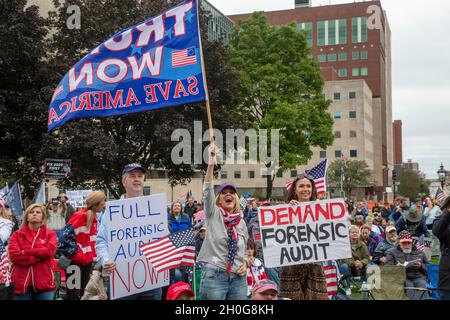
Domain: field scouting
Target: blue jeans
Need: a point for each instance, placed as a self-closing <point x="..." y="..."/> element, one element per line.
<point x="155" y="294"/>
<point x="47" y="295"/>
<point x="345" y="270"/>
<point x="216" y="284"/>
<point x="417" y="283"/>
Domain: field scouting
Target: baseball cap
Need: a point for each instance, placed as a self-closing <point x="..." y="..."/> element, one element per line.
<point x="133" y="166"/>
<point x="55" y="201"/>
<point x="405" y="236"/>
<point x="225" y="185"/>
<point x="390" y="228"/>
<point x="264" y="285"/>
<point x="177" y="288"/>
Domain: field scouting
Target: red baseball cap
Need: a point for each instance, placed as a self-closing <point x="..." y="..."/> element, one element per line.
<point x="177" y="288"/>
<point x="264" y="285"/>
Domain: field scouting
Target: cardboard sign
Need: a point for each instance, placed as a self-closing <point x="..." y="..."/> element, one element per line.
<point x="309" y="232"/>
<point x="131" y="223"/>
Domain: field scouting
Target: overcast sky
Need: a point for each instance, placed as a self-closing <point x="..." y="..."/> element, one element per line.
<point x="420" y="71"/>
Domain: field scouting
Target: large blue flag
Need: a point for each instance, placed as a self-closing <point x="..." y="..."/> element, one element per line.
<point x="39" y="196"/>
<point x="14" y="200"/>
<point x="154" y="64"/>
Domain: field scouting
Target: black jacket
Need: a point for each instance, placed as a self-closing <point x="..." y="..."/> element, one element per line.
<point x="441" y="229"/>
<point x="396" y="255"/>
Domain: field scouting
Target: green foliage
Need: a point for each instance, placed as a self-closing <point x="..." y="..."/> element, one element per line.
<point x="356" y="174"/>
<point x="409" y="184"/>
<point x="280" y="88"/>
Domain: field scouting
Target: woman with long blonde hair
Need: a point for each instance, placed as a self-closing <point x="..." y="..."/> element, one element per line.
<point x="224" y="251"/>
<point x="6" y="222"/>
<point x="84" y="224"/>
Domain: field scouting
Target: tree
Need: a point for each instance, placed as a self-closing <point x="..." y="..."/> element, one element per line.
<point x="99" y="148"/>
<point x="409" y="184"/>
<point x="24" y="75"/>
<point x="356" y="175"/>
<point x="281" y="88"/>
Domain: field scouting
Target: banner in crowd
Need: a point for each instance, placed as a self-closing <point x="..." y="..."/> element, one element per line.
<point x="39" y="196"/>
<point x="77" y="198"/>
<point x="14" y="200"/>
<point x="151" y="65"/>
<point x="57" y="168"/>
<point x="131" y="223"/>
<point x="309" y="232"/>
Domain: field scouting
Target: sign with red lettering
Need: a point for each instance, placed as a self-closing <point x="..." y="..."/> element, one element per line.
<point x="131" y="223"/>
<point x="305" y="233"/>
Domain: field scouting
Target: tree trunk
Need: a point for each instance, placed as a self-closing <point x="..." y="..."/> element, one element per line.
<point x="269" y="186"/>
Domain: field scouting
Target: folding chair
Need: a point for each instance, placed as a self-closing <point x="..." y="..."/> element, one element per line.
<point x="389" y="283"/>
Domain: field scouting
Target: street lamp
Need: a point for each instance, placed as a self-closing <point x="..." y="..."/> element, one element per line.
<point x="442" y="173"/>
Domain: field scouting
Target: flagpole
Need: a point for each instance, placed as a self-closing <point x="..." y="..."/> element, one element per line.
<point x="205" y="83"/>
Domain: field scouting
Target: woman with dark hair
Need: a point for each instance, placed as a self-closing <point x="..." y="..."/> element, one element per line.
<point x="305" y="281"/>
<point x="177" y="220"/>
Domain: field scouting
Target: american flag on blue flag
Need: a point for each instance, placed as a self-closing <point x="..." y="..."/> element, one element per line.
<point x="440" y="195"/>
<point x="172" y="251"/>
<point x="420" y="244"/>
<point x="185" y="57"/>
<point x="319" y="174"/>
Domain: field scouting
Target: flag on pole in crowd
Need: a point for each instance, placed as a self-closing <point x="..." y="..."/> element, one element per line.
<point x="154" y="64"/>
<point x="420" y="244"/>
<point x="440" y="195"/>
<point x="39" y="197"/>
<point x="319" y="175"/>
<point x="243" y="202"/>
<point x="189" y="194"/>
<point x="14" y="200"/>
<point x="331" y="273"/>
<point x="172" y="251"/>
<point x="4" y="191"/>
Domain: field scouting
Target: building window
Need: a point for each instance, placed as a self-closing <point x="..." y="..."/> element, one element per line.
<point x="355" y="55"/>
<point x="352" y="114"/>
<point x="293" y="173"/>
<point x="332" y="32"/>
<point x="306" y="26"/>
<point x="323" y="154"/>
<point x="337" y="115"/>
<point x="337" y="134"/>
<point x="223" y="175"/>
<point x="355" y="72"/>
<point x="322" y="58"/>
<point x="280" y="174"/>
<point x="359" y="29"/>
<point x="321" y="33"/>
<point x="342" y="73"/>
<point x="237" y="174"/>
<point x="352" y="95"/>
<point x="364" y="55"/>
<point x="342" y="56"/>
<point x="364" y="72"/>
<point x="337" y="153"/>
<point x="342" y="31"/>
<point x="251" y="174"/>
<point x="353" y="154"/>
<point x="353" y="134"/>
<point x="337" y="96"/>
<point x="332" y="57"/>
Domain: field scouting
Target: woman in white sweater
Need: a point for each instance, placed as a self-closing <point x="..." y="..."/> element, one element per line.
<point x="6" y="223"/>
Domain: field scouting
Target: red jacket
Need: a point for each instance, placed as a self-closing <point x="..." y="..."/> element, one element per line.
<point x="31" y="258"/>
<point x="85" y="238"/>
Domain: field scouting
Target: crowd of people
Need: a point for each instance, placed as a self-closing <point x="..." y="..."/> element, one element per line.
<point x="228" y="246"/>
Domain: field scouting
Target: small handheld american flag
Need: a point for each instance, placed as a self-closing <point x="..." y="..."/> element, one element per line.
<point x="440" y="195"/>
<point x="420" y="244"/>
<point x="318" y="173"/>
<point x="5" y="276"/>
<point x="172" y="251"/>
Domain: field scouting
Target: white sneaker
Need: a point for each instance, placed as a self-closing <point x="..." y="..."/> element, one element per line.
<point x="348" y="292"/>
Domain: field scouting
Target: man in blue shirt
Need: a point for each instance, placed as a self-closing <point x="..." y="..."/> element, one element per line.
<point x="133" y="177"/>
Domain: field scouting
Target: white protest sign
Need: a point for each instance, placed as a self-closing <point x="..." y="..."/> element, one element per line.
<point x="77" y="198"/>
<point x="309" y="232"/>
<point x="131" y="223"/>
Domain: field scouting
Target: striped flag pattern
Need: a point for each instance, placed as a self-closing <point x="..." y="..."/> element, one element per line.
<point x="331" y="276"/>
<point x="440" y="195"/>
<point x="172" y="251"/>
<point x="185" y="57"/>
<point x="5" y="276"/>
<point x="420" y="244"/>
<point x="318" y="173"/>
<point x="244" y="202"/>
